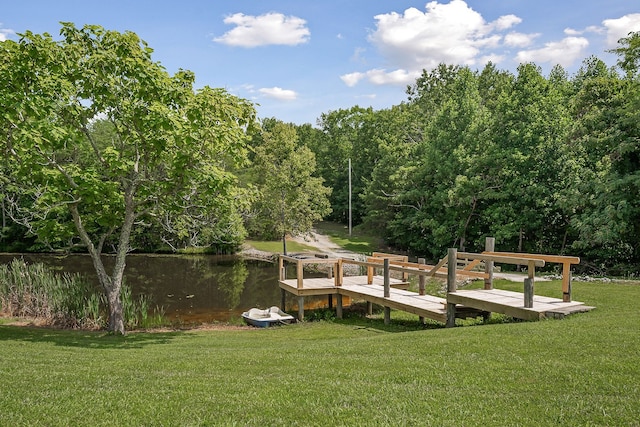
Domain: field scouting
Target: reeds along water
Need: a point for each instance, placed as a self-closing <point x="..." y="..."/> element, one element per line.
<point x="61" y="299"/>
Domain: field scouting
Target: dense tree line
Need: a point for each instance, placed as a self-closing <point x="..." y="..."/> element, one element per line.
<point x="543" y="163"/>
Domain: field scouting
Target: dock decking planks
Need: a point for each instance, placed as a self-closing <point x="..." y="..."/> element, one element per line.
<point x="432" y="307"/>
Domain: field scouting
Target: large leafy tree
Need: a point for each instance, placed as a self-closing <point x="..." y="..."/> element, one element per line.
<point x="440" y="180"/>
<point x="291" y="198"/>
<point x="529" y="129"/>
<point x="607" y="132"/>
<point x="354" y="134"/>
<point x="166" y="158"/>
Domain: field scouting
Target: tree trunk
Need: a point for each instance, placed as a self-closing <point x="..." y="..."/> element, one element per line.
<point x="111" y="285"/>
<point x="116" y="316"/>
<point x="284" y="244"/>
<point x="520" y="239"/>
<point x="463" y="237"/>
<point x="4" y="216"/>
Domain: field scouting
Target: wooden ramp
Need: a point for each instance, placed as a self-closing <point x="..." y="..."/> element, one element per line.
<point x="392" y="293"/>
<point x="357" y="288"/>
<point x="428" y="306"/>
<point x="512" y="304"/>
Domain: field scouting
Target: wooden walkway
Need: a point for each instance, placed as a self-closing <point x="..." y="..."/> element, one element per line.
<point x="356" y="288"/>
<point x="393" y="294"/>
<point x="511" y="304"/>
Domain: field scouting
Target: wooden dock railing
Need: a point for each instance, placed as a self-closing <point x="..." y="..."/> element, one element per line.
<point x="566" y="262"/>
<point x="490" y="258"/>
<point x="447" y="268"/>
<point x="300" y="263"/>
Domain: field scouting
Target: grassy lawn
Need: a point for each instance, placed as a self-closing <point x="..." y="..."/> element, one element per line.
<point x="359" y="241"/>
<point x="583" y="370"/>
<point x="276" y="246"/>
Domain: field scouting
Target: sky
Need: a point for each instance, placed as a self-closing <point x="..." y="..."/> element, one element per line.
<point x="296" y="60"/>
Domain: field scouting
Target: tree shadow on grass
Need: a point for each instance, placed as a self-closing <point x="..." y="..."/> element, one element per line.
<point x="358" y="246"/>
<point x="86" y="339"/>
<point x="356" y="315"/>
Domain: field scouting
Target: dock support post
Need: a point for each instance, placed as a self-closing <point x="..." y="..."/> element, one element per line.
<point x="387" y="281"/>
<point x="330" y="301"/>
<point x="339" y="306"/>
<point x="452" y="264"/>
<point x="528" y="284"/>
<point x="300" y="274"/>
<point x="566" y="282"/>
<point x="301" y="308"/>
<point x="489" y="246"/>
<point x="421" y="285"/>
<point x="283" y="300"/>
<point x="387" y="291"/>
<point x="369" y="308"/>
<point x="528" y="293"/>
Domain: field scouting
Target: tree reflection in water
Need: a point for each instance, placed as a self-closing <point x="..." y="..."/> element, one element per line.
<point x="190" y="288"/>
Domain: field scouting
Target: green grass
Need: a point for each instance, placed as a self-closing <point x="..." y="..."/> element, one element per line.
<point x="276" y="246"/>
<point x="583" y="370"/>
<point x="360" y="241"/>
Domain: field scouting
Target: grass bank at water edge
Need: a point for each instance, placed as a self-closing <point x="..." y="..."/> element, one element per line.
<point x="583" y="370"/>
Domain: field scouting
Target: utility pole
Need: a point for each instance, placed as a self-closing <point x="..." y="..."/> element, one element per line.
<point x="349" y="197"/>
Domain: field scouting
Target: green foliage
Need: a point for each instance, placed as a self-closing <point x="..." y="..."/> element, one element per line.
<point x="102" y="141"/>
<point x="291" y="197"/>
<point x="319" y="315"/>
<point x="543" y="164"/>
<point x="356" y="134"/>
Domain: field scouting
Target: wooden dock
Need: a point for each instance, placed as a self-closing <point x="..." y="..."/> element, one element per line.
<point x="357" y="288"/>
<point x="511" y="304"/>
<point x="392" y="293"/>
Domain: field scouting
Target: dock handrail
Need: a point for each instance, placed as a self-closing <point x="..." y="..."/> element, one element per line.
<point x="439" y="270"/>
<point x="531" y="262"/>
<point x="565" y="260"/>
<point x="300" y="262"/>
<point x="405" y="267"/>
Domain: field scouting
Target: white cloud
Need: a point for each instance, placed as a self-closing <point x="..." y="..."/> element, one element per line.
<point x="352" y="79"/>
<point x="564" y="52"/>
<point x="396" y="77"/>
<point x="267" y="29"/>
<point x="381" y="77"/>
<point x="519" y="39"/>
<point x="621" y="27"/>
<point x="493" y="58"/>
<point x="451" y="33"/>
<point x="505" y="22"/>
<point x="4" y="33"/>
<point x="358" y="55"/>
<point x="279" y="93"/>
<point x="589" y="29"/>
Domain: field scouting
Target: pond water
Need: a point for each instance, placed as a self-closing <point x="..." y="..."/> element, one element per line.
<point x="190" y="289"/>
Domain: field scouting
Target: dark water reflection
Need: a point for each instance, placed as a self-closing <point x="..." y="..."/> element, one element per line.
<point x="190" y="289"/>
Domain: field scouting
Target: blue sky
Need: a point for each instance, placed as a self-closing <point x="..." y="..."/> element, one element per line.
<point x="298" y="59"/>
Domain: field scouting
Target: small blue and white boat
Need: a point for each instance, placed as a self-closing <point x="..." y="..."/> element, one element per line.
<point x="265" y="318"/>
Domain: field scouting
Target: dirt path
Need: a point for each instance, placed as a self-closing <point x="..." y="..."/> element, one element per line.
<point x="323" y="244"/>
<point x="318" y="241"/>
